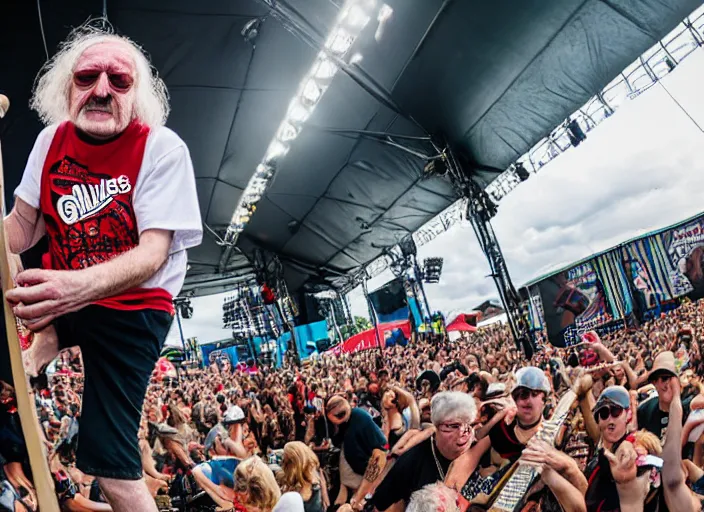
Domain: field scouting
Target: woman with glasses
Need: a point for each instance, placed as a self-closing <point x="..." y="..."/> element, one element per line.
<point x="452" y="414"/>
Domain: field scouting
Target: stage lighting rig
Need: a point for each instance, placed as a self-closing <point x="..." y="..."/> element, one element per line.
<point x="184" y="306"/>
<point x="432" y="270"/>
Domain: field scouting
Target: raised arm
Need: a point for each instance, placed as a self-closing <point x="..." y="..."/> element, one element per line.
<point x="24" y="227"/>
<point x="568" y="496"/>
<point x="677" y="494"/>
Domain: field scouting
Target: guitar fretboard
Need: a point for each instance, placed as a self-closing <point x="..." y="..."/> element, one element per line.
<point x="523" y="477"/>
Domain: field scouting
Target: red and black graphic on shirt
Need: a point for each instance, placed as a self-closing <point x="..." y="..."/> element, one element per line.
<point x="93" y="219"/>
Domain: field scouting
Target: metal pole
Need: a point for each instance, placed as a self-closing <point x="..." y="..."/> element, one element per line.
<point x="416" y="270"/>
<point x="372" y="315"/>
<point x="180" y="329"/>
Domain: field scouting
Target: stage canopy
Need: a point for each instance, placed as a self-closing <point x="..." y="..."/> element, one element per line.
<point x="492" y="78"/>
<point x="464" y="322"/>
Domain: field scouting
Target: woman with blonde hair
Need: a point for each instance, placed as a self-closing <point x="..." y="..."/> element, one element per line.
<point x="301" y="473"/>
<point x="256" y="489"/>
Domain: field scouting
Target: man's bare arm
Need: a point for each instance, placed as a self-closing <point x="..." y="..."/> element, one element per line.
<point x="24" y="227"/>
<point x="375" y="468"/>
<point x="42" y="295"/>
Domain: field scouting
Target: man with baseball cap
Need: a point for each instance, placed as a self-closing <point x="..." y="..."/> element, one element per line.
<point x="233" y="421"/>
<point x="653" y="414"/>
<point x="612" y="414"/>
<point x="506" y="441"/>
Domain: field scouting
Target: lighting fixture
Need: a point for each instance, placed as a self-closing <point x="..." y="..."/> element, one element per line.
<point x="521" y="171"/>
<point x="352" y="19"/>
<point x="432" y="269"/>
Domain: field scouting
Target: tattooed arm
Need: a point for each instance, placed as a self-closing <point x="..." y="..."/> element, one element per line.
<point x="375" y="467"/>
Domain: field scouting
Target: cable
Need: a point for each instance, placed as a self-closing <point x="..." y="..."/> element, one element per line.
<point x="680" y="106"/>
<point x="41" y="27"/>
<point x="104" y="21"/>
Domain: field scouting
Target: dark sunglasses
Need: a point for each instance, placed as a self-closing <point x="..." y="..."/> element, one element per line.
<point x="524" y="393"/>
<point x="119" y="81"/>
<point x="604" y="413"/>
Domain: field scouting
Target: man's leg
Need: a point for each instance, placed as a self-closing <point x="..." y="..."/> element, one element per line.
<point x="119" y="350"/>
<point x="127" y="495"/>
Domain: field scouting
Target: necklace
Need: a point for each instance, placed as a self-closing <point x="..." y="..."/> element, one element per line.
<point x="437" y="462"/>
<point x="523" y="434"/>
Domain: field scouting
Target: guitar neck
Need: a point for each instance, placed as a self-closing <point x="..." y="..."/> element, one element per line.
<point x="523" y="477"/>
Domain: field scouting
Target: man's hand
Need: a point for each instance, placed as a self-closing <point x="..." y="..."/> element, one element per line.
<point x="582" y="385"/>
<point x="43" y="295"/>
<point x="623" y="463"/>
<point x="540" y="452"/>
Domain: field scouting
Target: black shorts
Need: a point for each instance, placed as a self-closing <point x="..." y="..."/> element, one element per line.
<point x="119" y="350"/>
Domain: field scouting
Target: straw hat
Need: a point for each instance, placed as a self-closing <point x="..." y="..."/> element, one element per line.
<point x="664" y="364"/>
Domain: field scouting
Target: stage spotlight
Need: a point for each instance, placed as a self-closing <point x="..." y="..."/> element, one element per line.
<point x="184" y="307"/>
<point x="575" y="133"/>
<point x="521" y="171"/>
<point x="670" y="65"/>
<point x="432" y="269"/>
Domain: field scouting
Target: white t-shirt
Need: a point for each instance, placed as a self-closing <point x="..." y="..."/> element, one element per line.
<point x="164" y="197"/>
<point x="290" y="502"/>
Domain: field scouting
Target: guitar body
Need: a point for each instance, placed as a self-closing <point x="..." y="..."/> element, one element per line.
<point x="17" y="339"/>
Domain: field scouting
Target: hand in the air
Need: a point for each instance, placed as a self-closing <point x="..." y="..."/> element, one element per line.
<point x="583" y="384"/>
<point x="43" y="295"/>
<point x="623" y="463"/>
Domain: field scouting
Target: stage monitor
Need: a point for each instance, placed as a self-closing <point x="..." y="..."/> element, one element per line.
<point x="389" y="298"/>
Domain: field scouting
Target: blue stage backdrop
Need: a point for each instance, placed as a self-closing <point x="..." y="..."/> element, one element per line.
<point x="304" y="334"/>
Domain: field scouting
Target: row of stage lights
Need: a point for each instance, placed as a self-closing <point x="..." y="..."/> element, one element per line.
<point x="353" y="17"/>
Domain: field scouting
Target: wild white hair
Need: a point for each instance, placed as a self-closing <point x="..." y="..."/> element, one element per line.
<point x="433" y="498"/>
<point x="452" y="405"/>
<point x="51" y="89"/>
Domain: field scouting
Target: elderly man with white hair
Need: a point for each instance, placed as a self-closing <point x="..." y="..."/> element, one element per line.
<point x="114" y="192"/>
<point x="452" y="414"/>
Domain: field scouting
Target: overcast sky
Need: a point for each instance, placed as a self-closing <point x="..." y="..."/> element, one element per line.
<point x="640" y="170"/>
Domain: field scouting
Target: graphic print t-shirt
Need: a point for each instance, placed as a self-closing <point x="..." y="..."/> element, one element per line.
<point x="96" y="199"/>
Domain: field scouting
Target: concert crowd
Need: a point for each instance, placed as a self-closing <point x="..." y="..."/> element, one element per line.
<point x="614" y="423"/>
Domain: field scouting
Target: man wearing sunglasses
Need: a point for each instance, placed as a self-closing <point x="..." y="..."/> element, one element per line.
<point x="114" y="192"/>
<point x="654" y="413"/>
<point x="363" y="449"/>
<point x="505" y="441"/>
<point x="612" y="413"/>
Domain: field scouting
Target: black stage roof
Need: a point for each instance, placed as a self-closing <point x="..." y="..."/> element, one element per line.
<point x="491" y="77"/>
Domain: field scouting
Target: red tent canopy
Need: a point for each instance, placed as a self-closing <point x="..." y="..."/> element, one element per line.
<point x="465" y="322"/>
<point x="366" y="340"/>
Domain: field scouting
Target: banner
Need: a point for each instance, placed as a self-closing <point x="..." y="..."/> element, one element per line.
<point x="684" y="246"/>
<point x="573" y="302"/>
<point x="648" y="268"/>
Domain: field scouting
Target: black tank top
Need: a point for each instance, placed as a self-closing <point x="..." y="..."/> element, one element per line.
<point x="315" y="502"/>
